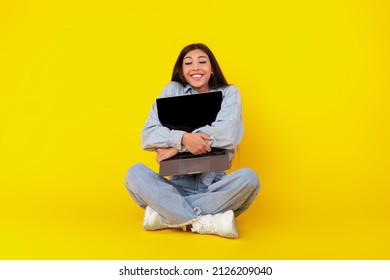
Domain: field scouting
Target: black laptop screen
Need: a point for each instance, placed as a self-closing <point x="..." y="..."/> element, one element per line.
<point x="189" y="112"/>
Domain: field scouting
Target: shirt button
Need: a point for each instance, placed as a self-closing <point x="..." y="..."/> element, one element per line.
<point x="197" y="211"/>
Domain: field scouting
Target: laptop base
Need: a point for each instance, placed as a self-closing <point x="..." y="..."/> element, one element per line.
<point x="217" y="161"/>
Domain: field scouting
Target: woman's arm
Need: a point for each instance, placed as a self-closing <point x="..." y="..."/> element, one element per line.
<point x="154" y="134"/>
<point x="227" y="130"/>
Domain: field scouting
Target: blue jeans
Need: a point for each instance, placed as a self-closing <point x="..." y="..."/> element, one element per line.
<point x="180" y="200"/>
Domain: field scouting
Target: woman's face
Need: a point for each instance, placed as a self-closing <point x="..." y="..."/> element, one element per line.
<point x="197" y="70"/>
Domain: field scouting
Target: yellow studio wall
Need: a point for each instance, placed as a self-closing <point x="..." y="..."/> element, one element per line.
<point x="77" y="80"/>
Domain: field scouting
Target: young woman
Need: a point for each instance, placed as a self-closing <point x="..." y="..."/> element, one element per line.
<point x="205" y="203"/>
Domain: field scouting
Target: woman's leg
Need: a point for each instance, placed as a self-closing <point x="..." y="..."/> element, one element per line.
<point x="150" y="189"/>
<point x="235" y="191"/>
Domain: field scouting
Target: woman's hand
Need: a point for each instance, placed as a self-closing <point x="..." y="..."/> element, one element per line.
<point x="196" y="143"/>
<point x="164" y="153"/>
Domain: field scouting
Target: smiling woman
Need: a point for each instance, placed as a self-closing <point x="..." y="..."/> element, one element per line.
<point x="198" y="67"/>
<point x="197" y="70"/>
<point x="77" y="80"/>
<point x="205" y="203"/>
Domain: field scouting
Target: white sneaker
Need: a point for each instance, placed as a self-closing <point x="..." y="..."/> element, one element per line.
<point x="222" y="224"/>
<point x="152" y="220"/>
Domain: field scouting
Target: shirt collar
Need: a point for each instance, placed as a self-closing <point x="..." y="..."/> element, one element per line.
<point x="188" y="89"/>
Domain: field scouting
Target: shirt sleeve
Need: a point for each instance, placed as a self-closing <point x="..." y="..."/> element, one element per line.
<point x="227" y="130"/>
<point x="154" y="134"/>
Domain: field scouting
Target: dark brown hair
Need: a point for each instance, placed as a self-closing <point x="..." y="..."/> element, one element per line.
<point x="216" y="81"/>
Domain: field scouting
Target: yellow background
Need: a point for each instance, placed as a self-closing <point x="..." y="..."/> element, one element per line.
<point x="77" y="79"/>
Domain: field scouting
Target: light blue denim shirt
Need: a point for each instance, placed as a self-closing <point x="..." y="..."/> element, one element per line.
<point x="227" y="130"/>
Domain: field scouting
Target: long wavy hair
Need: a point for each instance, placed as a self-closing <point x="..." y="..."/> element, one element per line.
<point x="216" y="81"/>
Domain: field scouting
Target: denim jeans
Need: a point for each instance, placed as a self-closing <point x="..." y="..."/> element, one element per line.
<point x="182" y="198"/>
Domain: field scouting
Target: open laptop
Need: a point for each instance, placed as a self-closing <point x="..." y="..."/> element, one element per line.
<point x="189" y="112"/>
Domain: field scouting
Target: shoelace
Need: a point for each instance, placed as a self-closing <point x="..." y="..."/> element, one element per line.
<point x="206" y="224"/>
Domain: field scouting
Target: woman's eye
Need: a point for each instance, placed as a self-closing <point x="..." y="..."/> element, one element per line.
<point x="187" y="63"/>
<point x="203" y="62"/>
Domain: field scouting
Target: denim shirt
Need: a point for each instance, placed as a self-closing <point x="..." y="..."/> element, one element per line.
<point x="227" y="130"/>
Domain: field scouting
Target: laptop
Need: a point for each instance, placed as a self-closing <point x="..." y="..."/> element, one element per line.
<point x="189" y="112"/>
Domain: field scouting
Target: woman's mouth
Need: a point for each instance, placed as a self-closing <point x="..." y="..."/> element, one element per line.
<point x="196" y="76"/>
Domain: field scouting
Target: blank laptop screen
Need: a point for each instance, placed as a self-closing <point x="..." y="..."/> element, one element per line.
<point x="189" y="112"/>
